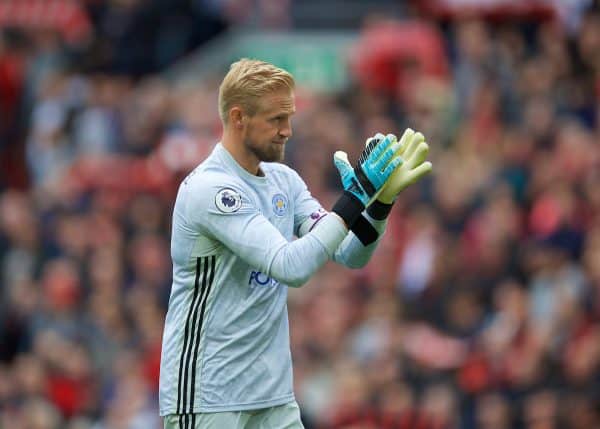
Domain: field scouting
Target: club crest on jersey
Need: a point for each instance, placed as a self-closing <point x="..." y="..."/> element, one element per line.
<point x="279" y="204"/>
<point x="228" y="201"/>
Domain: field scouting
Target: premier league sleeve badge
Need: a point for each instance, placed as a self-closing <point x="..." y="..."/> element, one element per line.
<point x="228" y="201"/>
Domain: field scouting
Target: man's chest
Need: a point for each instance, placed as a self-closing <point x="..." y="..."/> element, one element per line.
<point x="276" y="205"/>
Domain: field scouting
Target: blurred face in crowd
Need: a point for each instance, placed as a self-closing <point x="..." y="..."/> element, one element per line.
<point x="267" y="131"/>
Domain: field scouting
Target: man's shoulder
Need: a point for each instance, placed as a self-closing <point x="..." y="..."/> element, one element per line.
<point x="213" y="190"/>
<point x="209" y="175"/>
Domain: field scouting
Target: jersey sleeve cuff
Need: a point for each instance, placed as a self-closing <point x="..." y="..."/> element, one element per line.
<point x="330" y="232"/>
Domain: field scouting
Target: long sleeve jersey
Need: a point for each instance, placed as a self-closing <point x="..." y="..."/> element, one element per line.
<point x="226" y="337"/>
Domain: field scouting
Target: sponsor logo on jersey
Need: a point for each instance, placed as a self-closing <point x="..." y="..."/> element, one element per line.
<point x="228" y="201"/>
<point x="259" y="279"/>
<point x="279" y="204"/>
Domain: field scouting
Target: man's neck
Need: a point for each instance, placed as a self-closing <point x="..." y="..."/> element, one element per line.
<point x="235" y="146"/>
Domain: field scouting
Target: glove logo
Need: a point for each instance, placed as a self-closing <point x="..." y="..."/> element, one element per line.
<point x="279" y="204"/>
<point x="355" y="188"/>
<point x="228" y="201"/>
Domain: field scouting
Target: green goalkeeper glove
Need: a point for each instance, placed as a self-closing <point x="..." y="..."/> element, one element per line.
<point x="413" y="150"/>
<point x="377" y="163"/>
<point x="364" y="182"/>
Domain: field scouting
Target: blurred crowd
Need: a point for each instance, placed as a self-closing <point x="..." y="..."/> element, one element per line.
<point x="479" y="310"/>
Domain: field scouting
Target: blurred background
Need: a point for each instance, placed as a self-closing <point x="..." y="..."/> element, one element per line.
<point x="481" y="306"/>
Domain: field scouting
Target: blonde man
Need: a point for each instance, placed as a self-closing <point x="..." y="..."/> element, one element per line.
<point x="226" y="361"/>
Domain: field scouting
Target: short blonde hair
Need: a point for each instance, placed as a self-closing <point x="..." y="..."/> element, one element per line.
<point x="247" y="82"/>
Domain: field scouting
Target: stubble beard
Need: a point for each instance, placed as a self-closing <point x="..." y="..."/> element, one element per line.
<point x="269" y="152"/>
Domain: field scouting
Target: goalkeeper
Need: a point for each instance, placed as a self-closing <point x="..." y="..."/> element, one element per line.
<point x="226" y="360"/>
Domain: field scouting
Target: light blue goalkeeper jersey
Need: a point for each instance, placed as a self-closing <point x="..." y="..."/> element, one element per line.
<point x="226" y="338"/>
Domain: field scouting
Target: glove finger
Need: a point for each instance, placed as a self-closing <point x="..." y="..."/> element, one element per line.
<point x="389" y="155"/>
<point x="340" y="160"/>
<point x="418" y="172"/>
<point x="385" y="158"/>
<point x="406" y="138"/>
<point x="380" y="148"/>
<point x="394" y="163"/>
<point x="370" y="145"/>
<point x="418" y="156"/>
<point x="395" y="144"/>
<point x="413" y="144"/>
<point x="377" y="136"/>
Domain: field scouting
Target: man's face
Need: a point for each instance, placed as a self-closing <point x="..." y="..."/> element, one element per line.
<point x="269" y="129"/>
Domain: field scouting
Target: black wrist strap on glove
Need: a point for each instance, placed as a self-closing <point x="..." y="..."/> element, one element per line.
<point x="364" y="231"/>
<point x="379" y="210"/>
<point x="362" y="228"/>
<point x="349" y="208"/>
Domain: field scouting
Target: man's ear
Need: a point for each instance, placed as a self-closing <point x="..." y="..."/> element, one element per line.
<point x="236" y="117"/>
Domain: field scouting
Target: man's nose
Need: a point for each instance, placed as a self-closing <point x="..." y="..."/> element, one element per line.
<point x="286" y="129"/>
